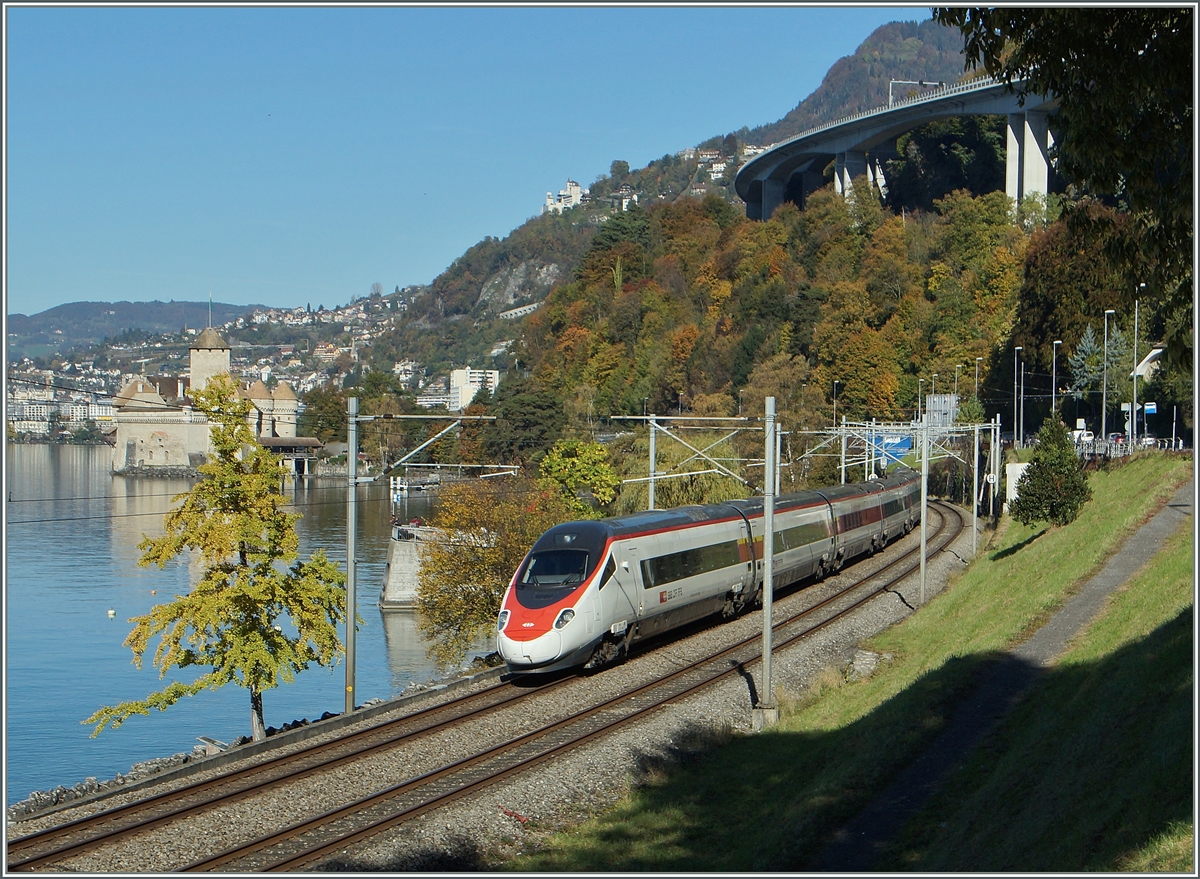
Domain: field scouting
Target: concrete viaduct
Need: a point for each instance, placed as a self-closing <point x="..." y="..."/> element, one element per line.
<point x="862" y="143"/>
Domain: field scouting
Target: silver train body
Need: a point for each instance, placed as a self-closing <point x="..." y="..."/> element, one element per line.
<point x="587" y="590"/>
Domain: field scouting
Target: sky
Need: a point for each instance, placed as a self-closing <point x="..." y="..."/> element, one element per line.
<point x="295" y="156"/>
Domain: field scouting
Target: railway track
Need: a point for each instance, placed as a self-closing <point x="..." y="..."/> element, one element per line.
<point x="308" y="841"/>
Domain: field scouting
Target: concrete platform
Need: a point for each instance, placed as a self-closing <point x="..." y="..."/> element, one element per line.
<point x="399" y="590"/>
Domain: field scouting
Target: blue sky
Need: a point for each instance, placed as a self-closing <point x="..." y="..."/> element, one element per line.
<point x="293" y="156"/>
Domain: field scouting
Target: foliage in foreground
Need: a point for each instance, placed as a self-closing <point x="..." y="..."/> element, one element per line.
<point x="1054" y="486"/>
<point x="783" y="792"/>
<point x="248" y="620"/>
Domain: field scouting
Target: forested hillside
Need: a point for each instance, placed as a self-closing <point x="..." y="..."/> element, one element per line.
<point x="453" y="323"/>
<point x="680" y="304"/>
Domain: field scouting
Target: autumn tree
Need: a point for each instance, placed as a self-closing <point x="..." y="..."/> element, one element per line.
<point x="1054" y="486"/>
<point x="577" y="466"/>
<point x="324" y="415"/>
<point x="257" y="615"/>
<point x="488" y="527"/>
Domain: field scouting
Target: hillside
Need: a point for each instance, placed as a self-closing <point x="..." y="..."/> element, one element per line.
<point x="924" y="51"/>
<point x="453" y="322"/>
<point x="77" y="324"/>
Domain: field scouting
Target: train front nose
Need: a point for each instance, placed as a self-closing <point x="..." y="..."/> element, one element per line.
<point x="539" y="651"/>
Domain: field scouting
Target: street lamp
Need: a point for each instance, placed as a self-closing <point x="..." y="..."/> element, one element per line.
<point x="1022" y="404"/>
<point x="1016" y="351"/>
<point x="1133" y="408"/>
<point x="933" y="386"/>
<point x="1104" y="393"/>
<point x="978" y="360"/>
<point x="1054" y="374"/>
<point x="835" y="384"/>
<point x="920" y="383"/>
<point x="957" y="367"/>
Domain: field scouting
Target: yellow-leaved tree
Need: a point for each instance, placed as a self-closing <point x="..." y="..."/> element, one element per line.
<point x="257" y="615"/>
<point x="488" y="526"/>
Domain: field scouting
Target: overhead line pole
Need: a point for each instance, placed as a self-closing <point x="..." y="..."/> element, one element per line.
<point x="766" y="712"/>
<point x="351" y="528"/>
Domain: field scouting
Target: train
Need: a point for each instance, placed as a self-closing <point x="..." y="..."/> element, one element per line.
<point x="587" y="590"/>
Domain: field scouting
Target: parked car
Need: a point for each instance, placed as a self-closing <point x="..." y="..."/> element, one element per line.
<point x="1083" y="436"/>
<point x="1116" y="437"/>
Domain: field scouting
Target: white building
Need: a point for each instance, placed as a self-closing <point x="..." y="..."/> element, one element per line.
<point x="570" y="197"/>
<point x="466" y="383"/>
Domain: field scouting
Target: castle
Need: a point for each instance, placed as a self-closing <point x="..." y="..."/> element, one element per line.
<point x="158" y="428"/>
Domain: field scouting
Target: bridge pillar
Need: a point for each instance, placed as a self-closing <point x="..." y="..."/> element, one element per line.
<point x="875" y="175"/>
<point x="1012" y="156"/>
<point x="1035" y="170"/>
<point x="772" y="196"/>
<point x="1027" y="163"/>
<point x="850" y="164"/>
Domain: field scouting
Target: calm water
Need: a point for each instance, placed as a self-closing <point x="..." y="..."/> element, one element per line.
<point x="71" y="555"/>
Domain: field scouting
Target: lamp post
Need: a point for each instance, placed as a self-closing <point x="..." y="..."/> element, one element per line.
<point x="933" y="386"/>
<point x="1016" y="351"/>
<point x="957" y="367"/>
<point x="1104" y="392"/>
<point x="835" y="384"/>
<point x="1022" y="428"/>
<point x="920" y="384"/>
<point x="1133" y="408"/>
<point x="978" y="360"/>
<point x="1054" y="374"/>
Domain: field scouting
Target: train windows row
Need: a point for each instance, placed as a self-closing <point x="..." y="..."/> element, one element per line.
<point x="801" y="535"/>
<point x="689" y="563"/>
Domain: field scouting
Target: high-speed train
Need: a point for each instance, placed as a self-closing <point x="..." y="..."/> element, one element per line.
<point x="587" y="590"/>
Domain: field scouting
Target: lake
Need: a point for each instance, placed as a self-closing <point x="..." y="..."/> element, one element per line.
<point x="71" y="556"/>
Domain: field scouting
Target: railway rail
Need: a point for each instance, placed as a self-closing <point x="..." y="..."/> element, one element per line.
<point x="309" y="841"/>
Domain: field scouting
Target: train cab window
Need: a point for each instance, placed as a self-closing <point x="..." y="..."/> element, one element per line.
<point x="555" y="567"/>
<point x="550" y="575"/>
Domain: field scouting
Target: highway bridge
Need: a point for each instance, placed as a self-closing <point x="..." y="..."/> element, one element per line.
<point x="861" y="144"/>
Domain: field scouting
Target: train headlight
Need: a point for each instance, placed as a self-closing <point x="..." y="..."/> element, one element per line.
<point x="563" y="618"/>
<point x="500" y="623"/>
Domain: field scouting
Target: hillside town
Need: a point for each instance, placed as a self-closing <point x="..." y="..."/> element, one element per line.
<point x="89" y="398"/>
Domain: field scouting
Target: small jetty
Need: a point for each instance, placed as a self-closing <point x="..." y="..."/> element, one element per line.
<point x="399" y="590"/>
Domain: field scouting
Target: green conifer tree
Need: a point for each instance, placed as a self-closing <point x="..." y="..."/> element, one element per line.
<point x="1054" y="486"/>
<point x="257" y="616"/>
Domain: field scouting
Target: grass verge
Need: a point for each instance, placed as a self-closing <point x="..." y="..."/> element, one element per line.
<point x="769" y="802"/>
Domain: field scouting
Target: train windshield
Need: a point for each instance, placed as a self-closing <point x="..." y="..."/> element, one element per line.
<point x="550" y="575"/>
<point x="555" y="568"/>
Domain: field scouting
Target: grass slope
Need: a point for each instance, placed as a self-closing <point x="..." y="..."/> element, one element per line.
<point x="769" y="801"/>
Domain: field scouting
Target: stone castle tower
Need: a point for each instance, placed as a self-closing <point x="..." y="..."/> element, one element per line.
<point x="209" y="357"/>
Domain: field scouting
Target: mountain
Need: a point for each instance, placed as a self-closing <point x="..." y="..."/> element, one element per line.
<point x="74" y="324"/>
<point x="452" y="322"/>
<point x="909" y="50"/>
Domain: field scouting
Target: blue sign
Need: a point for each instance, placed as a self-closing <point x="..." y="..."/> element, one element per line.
<point x="891" y="447"/>
<point x="1151" y="408"/>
